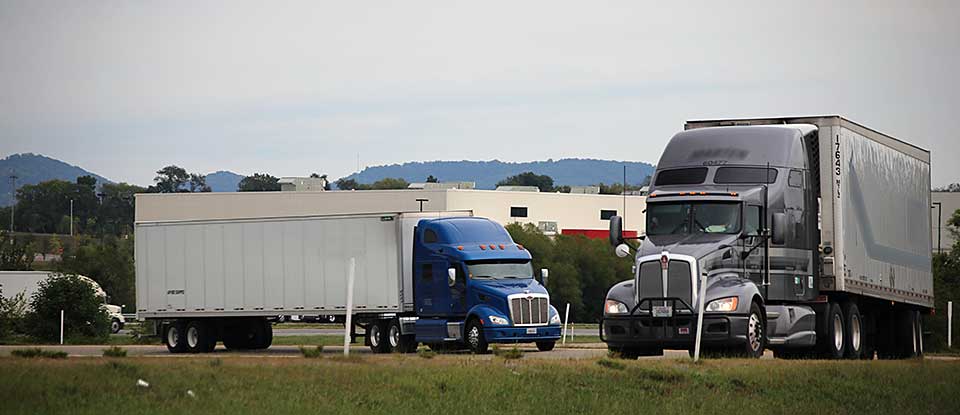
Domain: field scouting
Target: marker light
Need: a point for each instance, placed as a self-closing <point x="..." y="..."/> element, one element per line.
<point x="483" y="248"/>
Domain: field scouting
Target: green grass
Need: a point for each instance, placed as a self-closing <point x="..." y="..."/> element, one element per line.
<point x="399" y="384"/>
<point x="508" y="353"/>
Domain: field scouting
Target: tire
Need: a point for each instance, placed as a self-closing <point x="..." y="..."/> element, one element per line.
<point x="756" y="334"/>
<point x="399" y="342"/>
<point x="853" y="333"/>
<point x="834" y="345"/>
<point x="475" y="339"/>
<point x="115" y="326"/>
<point x="377" y="337"/>
<point x="331" y="319"/>
<point x="919" y="327"/>
<point x="197" y="336"/>
<point x="173" y="337"/>
<point x="909" y="340"/>
<point x="546" y="346"/>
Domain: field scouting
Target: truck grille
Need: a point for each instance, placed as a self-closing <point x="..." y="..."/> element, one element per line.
<point x="529" y="310"/>
<point x="679" y="284"/>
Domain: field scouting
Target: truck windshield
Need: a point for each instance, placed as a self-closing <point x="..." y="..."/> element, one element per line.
<point x="500" y="269"/>
<point x="699" y="217"/>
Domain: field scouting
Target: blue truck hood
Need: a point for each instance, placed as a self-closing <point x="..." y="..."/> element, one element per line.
<point x="503" y="288"/>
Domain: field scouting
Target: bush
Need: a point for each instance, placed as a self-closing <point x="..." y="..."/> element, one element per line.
<point x="38" y="352"/>
<point x="509" y="354"/>
<point x="312" y="353"/>
<point x="83" y="316"/>
<point x="426" y="353"/>
<point x="114" y="351"/>
<point x="12" y="312"/>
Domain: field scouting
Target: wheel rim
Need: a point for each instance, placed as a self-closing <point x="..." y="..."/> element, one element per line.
<point x="193" y="337"/>
<point x="913" y="334"/>
<point x="375" y="335"/>
<point x="920" y="335"/>
<point x="394" y="336"/>
<point x="855" y="332"/>
<point x="473" y="336"/>
<point x="837" y="332"/>
<point x="173" y="337"/>
<point x="755" y="332"/>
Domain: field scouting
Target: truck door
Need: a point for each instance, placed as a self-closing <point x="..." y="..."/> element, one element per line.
<point x="458" y="292"/>
<point x="431" y="290"/>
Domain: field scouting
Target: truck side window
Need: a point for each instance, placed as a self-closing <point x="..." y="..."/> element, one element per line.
<point x="751" y="220"/>
<point x="426" y="272"/>
<point x="429" y="236"/>
<point x="795" y="179"/>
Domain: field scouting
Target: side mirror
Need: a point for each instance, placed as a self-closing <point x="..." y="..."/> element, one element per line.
<point x="616" y="230"/>
<point x="779" y="228"/>
<point x="622" y="250"/>
<point x="544" y="274"/>
<point x="451" y="276"/>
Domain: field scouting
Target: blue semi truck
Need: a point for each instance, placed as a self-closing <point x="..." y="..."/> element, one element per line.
<point x="444" y="279"/>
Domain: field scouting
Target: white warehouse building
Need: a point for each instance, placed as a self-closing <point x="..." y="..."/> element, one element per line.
<point x="553" y="213"/>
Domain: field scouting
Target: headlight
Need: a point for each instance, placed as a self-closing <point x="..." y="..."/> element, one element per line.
<point x="723" y="304"/>
<point x="555" y="319"/>
<point x="499" y="320"/>
<point x="615" y="307"/>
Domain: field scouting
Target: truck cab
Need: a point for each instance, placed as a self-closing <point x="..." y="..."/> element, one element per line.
<point x="473" y="285"/>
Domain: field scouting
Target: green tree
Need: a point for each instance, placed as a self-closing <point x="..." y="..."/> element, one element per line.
<point x="15" y="255"/>
<point x="952" y="187"/>
<point x="259" y="182"/>
<point x="83" y="316"/>
<point x="543" y="182"/>
<point x="116" y="212"/>
<point x="431" y="179"/>
<point x="109" y="262"/>
<point x="344" y="183"/>
<point x="175" y="179"/>
<point x="389" y="183"/>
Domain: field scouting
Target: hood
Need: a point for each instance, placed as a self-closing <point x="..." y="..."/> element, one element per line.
<point x="503" y="288"/>
<point x="696" y="244"/>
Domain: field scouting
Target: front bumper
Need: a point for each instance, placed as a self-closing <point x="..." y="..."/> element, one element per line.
<point x="508" y="334"/>
<point x="678" y="332"/>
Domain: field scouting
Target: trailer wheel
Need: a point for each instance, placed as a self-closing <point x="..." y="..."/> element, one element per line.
<point x="377" y="336"/>
<point x="835" y="344"/>
<point x="546" y="346"/>
<point x="919" y="330"/>
<point x="262" y="334"/>
<point x="476" y="341"/>
<point x="174" y="337"/>
<point x="197" y="336"/>
<point x="853" y="331"/>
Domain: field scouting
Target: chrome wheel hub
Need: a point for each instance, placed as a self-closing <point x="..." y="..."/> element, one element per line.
<point x="755" y="332"/>
<point x="193" y="337"/>
<point x="855" y="332"/>
<point x="173" y="337"/>
<point x="375" y="335"/>
<point x="394" y="336"/>
<point x="837" y="332"/>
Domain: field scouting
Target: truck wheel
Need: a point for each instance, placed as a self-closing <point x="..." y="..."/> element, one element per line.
<point x="377" y="336"/>
<point x="115" y="326"/>
<point x="197" y="336"/>
<point x="909" y="340"/>
<point x="259" y="334"/>
<point x="174" y="337"/>
<point x="919" y="327"/>
<point x="756" y="334"/>
<point x="476" y="341"/>
<point x="853" y="331"/>
<point x="546" y="346"/>
<point x="399" y="342"/>
<point x="835" y="344"/>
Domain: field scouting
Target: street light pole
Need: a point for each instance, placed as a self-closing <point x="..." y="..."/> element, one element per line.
<point x="939" y="206"/>
<point x="13" y="198"/>
<point x="71" y="217"/>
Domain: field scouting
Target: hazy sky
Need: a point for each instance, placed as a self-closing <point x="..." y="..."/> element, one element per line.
<point x="123" y="88"/>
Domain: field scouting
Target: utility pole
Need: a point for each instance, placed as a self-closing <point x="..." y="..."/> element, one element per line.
<point x="71" y="217"/>
<point x="939" y="207"/>
<point x="13" y="197"/>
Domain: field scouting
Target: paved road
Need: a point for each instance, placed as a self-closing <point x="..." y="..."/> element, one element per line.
<point x="293" y="351"/>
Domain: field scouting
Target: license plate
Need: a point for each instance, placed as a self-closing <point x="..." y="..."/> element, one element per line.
<point x="662" y="311"/>
<point x="532" y="331"/>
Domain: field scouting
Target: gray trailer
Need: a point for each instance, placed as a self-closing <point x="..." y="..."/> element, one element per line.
<point x="813" y="234"/>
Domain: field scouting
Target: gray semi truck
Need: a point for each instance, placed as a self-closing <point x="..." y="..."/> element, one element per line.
<point x="809" y="236"/>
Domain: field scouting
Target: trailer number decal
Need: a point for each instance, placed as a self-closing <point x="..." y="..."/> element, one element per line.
<point x="174" y="292"/>
<point x="836" y="157"/>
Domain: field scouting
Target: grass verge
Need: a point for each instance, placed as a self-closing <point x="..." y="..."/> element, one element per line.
<point x="38" y="352"/>
<point x="411" y="385"/>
